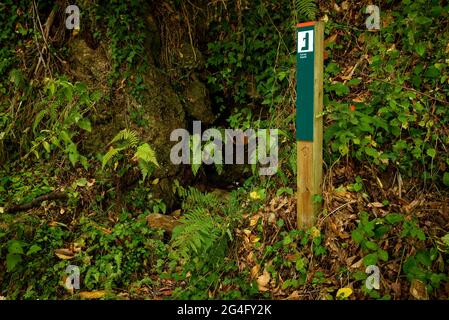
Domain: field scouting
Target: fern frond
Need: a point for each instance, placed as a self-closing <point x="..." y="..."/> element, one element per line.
<point x="305" y="9"/>
<point x="145" y="168"/>
<point x="146" y="153"/>
<point x="195" y="198"/>
<point x="108" y="156"/>
<point x="197" y="233"/>
<point x="128" y="138"/>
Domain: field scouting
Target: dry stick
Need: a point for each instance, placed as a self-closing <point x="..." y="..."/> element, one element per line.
<point x="49" y="23"/>
<point x="190" y="30"/>
<point x="37" y="201"/>
<point x="41" y="58"/>
<point x="45" y="47"/>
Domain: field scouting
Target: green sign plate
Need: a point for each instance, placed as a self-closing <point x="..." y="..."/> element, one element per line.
<point x="304" y="83"/>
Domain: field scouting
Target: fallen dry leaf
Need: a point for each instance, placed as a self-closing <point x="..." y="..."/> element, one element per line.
<point x="418" y="290"/>
<point x="263" y="280"/>
<point x="343" y="293"/>
<point x="64" y="254"/>
<point x="255" y="271"/>
<point x="375" y="205"/>
<point x="295" y="295"/>
<point x="92" y="294"/>
<point x="330" y="39"/>
<point x="253" y="221"/>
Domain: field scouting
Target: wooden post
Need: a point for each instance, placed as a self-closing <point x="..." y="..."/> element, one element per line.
<point x="309" y="121"/>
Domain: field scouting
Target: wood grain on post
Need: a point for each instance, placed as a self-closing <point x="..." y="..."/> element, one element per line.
<point x="310" y="153"/>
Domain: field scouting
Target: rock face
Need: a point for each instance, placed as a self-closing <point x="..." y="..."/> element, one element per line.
<point x="164" y="222"/>
<point x="158" y="111"/>
<point x="197" y="102"/>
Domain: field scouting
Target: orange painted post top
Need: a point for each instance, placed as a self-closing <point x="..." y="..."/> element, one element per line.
<point x="306" y="24"/>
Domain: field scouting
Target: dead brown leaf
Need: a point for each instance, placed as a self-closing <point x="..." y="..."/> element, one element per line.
<point x="64" y="254"/>
<point x="263" y="280"/>
<point x="418" y="290"/>
<point x="92" y="294"/>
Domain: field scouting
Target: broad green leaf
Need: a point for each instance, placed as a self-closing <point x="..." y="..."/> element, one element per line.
<point x="371" y="245"/>
<point x="15" y="246"/>
<point x="33" y="249"/>
<point x="84" y="163"/>
<point x="65" y="136"/>
<point x="370" y="259"/>
<point x="382" y="254"/>
<point x="420" y="49"/>
<point x="46" y="146"/>
<point x="85" y="124"/>
<point x="357" y="236"/>
<point x="394" y="218"/>
<point x="81" y="182"/>
<point x="12" y="260"/>
<point x="73" y="153"/>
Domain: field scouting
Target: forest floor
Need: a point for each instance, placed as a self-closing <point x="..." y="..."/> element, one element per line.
<point x="270" y="254"/>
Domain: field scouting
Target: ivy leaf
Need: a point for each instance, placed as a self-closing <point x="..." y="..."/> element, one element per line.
<point x="357" y="236"/>
<point x="370" y="259"/>
<point x="12" y="260"/>
<point x="371" y="245"/>
<point x="383" y="255"/>
<point x="33" y="249"/>
<point x="15" y="247"/>
<point x="431" y="152"/>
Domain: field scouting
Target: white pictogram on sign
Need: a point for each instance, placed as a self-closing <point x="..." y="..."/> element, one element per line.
<point x="305" y="41"/>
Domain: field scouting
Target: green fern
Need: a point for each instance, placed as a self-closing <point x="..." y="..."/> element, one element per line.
<point x="146" y="156"/>
<point x="112" y="152"/>
<point x="203" y="227"/>
<point x="197" y="233"/>
<point x="306" y="9"/>
<point x="194" y="198"/>
<point x="128" y="138"/>
<point x="146" y="153"/>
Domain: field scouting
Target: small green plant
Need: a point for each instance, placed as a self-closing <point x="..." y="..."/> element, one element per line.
<point x="202" y="227"/>
<point x="420" y="266"/>
<point x="367" y="234"/>
<point x="60" y="115"/>
<point x="125" y="141"/>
